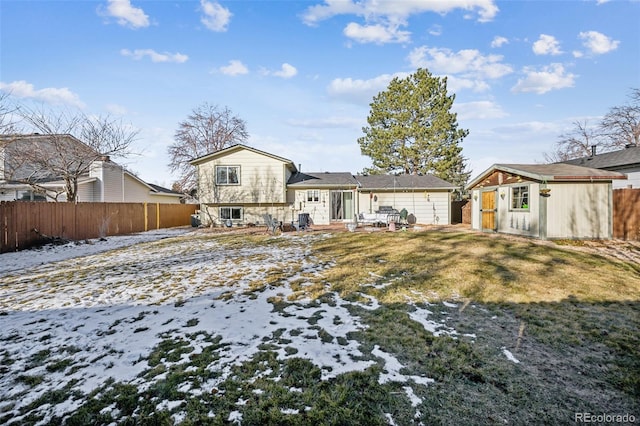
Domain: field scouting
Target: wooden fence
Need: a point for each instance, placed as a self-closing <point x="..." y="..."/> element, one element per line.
<point x="626" y="214"/>
<point x="24" y="224"/>
<point x="461" y="212"/>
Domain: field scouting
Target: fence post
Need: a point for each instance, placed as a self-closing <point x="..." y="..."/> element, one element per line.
<point x="146" y="218"/>
<point x="157" y="215"/>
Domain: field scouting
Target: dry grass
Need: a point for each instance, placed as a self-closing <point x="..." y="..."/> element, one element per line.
<point x="448" y="265"/>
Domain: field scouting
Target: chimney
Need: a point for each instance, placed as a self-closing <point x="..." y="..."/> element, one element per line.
<point x="300" y="167"/>
<point x="593" y="150"/>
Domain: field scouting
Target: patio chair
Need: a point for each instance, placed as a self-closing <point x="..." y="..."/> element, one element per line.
<point x="271" y="222"/>
<point x="404" y="214"/>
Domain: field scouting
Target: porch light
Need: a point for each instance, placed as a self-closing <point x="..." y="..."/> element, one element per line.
<point x="544" y="190"/>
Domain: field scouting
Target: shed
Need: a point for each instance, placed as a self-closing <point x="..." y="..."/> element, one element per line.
<point x="544" y="200"/>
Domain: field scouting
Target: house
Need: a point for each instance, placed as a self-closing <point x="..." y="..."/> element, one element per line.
<point x="240" y="184"/>
<point x="625" y="160"/>
<point x="544" y="200"/>
<point x="426" y="197"/>
<point x="99" y="178"/>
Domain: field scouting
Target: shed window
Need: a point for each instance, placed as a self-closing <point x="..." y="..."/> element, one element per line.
<point x="227" y="175"/>
<point x="233" y="213"/>
<point x="313" y="196"/>
<point x="520" y="197"/>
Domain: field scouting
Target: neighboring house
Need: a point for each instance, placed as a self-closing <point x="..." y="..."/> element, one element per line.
<point x="626" y="161"/>
<point x="544" y="200"/>
<point x="241" y="184"/>
<point x="103" y="181"/>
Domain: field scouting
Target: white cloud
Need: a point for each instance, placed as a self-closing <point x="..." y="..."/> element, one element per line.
<point x="126" y="14"/>
<point x="337" y="122"/>
<point x="598" y="43"/>
<point x="467" y="62"/>
<point x="499" y="41"/>
<point x="287" y="71"/>
<point x="377" y="33"/>
<point x="234" y="68"/>
<point x="396" y="10"/>
<point x="435" y="30"/>
<point x="50" y="95"/>
<point x="480" y="110"/>
<point x="216" y="17"/>
<point x="546" y="45"/>
<point x="551" y="77"/>
<point x="360" y="91"/>
<point x="155" y="56"/>
<point x="456" y="84"/>
<point x="383" y="19"/>
<point x="116" y="109"/>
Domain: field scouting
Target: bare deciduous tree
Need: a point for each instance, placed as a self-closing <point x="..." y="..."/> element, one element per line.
<point x="8" y="112"/>
<point x="206" y="130"/>
<point x="62" y="146"/>
<point x="621" y="125"/>
<point x="575" y="143"/>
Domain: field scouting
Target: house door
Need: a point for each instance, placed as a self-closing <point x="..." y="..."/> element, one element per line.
<point x="488" y="210"/>
<point x="341" y="205"/>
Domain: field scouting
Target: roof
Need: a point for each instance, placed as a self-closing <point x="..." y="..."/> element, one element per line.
<point x="156" y="189"/>
<point x="319" y="179"/>
<point x="238" y="147"/>
<point x="551" y="172"/>
<point x="164" y="191"/>
<point x="368" y="182"/>
<point x="400" y="182"/>
<point x="614" y="160"/>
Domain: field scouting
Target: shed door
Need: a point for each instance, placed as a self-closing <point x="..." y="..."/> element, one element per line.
<point x="488" y="210"/>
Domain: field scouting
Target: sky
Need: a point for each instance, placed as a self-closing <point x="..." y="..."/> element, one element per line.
<point x="302" y="74"/>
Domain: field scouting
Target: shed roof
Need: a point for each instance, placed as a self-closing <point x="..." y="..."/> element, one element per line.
<point x="615" y="160"/>
<point x="402" y="182"/>
<point x="322" y="179"/>
<point x="551" y="172"/>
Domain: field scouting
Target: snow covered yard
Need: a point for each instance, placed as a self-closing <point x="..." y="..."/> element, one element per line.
<point x="72" y="326"/>
<point x="180" y="326"/>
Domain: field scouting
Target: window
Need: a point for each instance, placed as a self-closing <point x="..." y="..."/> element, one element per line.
<point x="29" y="195"/>
<point x="233" y="213"/>
<point x="520" y="197"/>
<point x="227" y="175"/>
<point x="313" y="196"/>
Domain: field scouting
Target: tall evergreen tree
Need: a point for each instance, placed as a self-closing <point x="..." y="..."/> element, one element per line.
<point x="412" y="130"/>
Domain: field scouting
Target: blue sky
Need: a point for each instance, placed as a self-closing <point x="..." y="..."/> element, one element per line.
<point x="303" y="73"/>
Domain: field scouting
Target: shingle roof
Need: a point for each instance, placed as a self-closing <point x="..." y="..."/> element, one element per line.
<point x="551" y="172"/>
<point x="163" y="190"/>
<point x="615" y="160"/>
<point x="403" y="182"/>
<point x="335" y="179"/>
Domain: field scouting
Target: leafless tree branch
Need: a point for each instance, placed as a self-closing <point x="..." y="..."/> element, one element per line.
<point x="62" y="146"/>
<point x="206" y="130"/>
